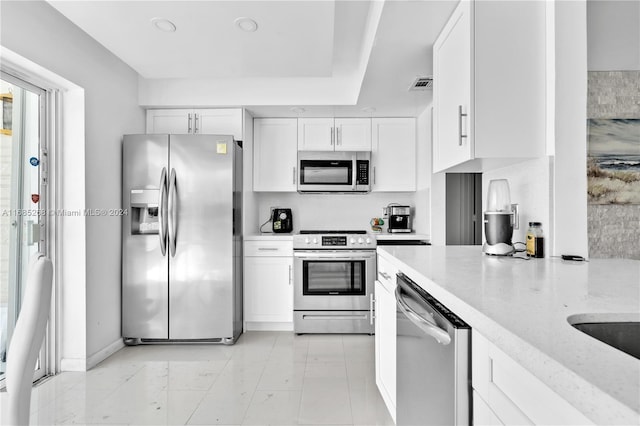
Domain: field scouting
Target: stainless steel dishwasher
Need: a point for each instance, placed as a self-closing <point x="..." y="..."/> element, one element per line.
<point x="433" y="360"/>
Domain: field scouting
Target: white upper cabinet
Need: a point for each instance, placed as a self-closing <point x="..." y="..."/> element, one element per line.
<point x="218" y="121"/>
<point x="275" y="154"/>
<point x="353" y="134"/>
<point x="340" y="134"/>
<point x="393" y="154"/>
<point x="489" y="91"/>
<point x="316" y="134"/>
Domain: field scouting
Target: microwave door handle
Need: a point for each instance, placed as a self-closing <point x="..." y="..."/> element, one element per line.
<point x="354" y="173"/>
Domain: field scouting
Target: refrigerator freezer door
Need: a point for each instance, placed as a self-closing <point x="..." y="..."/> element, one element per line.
<point x="145" y="289"/>
<point x="201" y="272"/>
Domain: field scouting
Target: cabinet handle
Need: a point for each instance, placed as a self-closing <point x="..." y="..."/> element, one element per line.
<point x="294" y="175"/>
<point x="332" y="136"/>
<point x="374" y="175"/>
<point x="189" y="124"/>
<point x="289" y="274"/>
<point x="267" y="248"/>
<point x="384" y="275"/>
<point x="338" y="136"/>
<point x="460" y="115"/>
<point x="195" y="130"/>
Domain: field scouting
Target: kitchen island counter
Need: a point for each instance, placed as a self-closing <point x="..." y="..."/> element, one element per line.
<point x="522" y="306"/>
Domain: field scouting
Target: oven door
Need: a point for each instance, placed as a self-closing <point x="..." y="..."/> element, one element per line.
<point x="333" y="279"/>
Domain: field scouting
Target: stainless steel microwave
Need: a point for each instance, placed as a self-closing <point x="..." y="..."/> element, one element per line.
<point x="320" y="171"/>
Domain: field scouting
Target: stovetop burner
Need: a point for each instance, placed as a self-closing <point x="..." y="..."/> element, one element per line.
<point x="319" y="231"/>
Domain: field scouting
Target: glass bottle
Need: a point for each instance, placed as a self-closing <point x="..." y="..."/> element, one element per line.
<point x="535" y="240"/>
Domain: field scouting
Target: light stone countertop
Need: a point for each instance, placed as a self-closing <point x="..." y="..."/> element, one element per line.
<point x="522" y="307"/>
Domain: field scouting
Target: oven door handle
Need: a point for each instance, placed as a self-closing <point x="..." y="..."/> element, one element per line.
<point x="429" y="327"/>
<point x="339" y="259"/>
<point x="338" y="255"/>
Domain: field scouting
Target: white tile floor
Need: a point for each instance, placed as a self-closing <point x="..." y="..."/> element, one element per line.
<point x="266" y="378"/>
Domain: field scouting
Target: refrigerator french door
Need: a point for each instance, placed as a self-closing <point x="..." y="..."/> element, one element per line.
<point x="181" y="238"/>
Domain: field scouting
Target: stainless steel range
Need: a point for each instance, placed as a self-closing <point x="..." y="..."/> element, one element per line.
<point x="334" y="274"/>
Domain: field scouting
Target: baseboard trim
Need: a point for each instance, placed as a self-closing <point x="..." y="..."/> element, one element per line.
<point x="268" y="326"/>
<point x="73" y="364"/>
<point x="104" y="353"/>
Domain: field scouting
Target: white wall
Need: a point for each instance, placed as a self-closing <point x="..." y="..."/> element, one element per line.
<point x="614" y="35"/>
<point x="37" y="32"/>
<point x="569" y="209"/>
<point x="422" y="200"/>
<point x="329" y="211"/>
<point x="530" y="185"/>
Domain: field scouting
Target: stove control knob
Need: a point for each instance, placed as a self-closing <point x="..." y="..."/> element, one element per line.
<point x="352" y="241"/>
<point x="307" y="241"/>
<point x="368" y="240"/>
<point x="360" y="240"/>
<point x="315" y="241"/>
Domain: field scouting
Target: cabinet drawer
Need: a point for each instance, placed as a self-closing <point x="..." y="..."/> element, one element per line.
<point x="514" y="394"/>
<point x="387" y="273"/>
<point x="268" y="248"/>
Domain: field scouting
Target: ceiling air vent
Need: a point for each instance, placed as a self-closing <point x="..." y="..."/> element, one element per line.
<point x="422" y="83"/>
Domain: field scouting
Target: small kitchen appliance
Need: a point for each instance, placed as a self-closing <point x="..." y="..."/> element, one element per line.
<point x="500" y="219"/>
<point x="281" y="220"/>
<point x="399" y="218"/>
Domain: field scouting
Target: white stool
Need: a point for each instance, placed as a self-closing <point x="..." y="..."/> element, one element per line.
<point x="27" y="338"/>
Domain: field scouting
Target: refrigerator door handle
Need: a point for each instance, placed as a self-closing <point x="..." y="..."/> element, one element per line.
<point x="162" y="212"/>
<point x="172" y="216"/>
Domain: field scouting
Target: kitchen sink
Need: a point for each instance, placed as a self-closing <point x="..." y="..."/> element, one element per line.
<point x="621" y="334"/>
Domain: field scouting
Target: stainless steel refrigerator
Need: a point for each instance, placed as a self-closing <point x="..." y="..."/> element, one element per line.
<point x="181" y="239"/>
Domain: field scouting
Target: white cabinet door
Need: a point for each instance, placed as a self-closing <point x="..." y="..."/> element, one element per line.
<point x="316" y="134"/>
<point x="489" y="96"/>
<point x="352" y="134"/>
<point x="275" y="154"/>
<point x="512" y="394"/>
<point x="385" y="339"/>
<point x="222" y="121"/>
<point x="268" y="289"/>
<point x="174" y="121"/>
<point x="218" y="121"/>
<point x="393" y="154"/>
<point x="452" y="92"/>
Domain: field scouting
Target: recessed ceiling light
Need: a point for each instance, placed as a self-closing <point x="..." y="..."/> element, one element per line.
<point x="246" y="24"/>
<point x="164" y="24"/>
<point x="297" y="110"/>
<point x="368" y="109"/>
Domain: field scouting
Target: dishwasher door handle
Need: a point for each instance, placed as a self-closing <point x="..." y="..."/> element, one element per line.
<point x="428" y="327"/>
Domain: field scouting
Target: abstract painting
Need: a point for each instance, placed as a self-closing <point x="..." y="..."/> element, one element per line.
<point x="613" y="161"/>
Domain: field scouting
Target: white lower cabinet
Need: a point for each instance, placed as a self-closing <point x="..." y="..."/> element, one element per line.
<point x="504" y="392"/>
<point x="385" y="339"/>
<point x="268" y="285"/>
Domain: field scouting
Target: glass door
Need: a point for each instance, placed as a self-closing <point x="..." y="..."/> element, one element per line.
<point x="22" y="201"/>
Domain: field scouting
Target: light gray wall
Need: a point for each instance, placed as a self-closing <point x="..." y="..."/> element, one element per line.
<point x="36" y="31"/>
<point x="613" y="35"/>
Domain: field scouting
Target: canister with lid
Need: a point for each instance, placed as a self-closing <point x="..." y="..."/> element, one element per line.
<point x="535" y="240"/>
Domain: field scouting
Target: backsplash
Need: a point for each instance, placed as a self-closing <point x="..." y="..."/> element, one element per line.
<point x="614" y="229"/>
<point x="335" y="211"/>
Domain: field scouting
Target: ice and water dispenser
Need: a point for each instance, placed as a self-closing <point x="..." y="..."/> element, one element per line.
<point x="144" y="211"/>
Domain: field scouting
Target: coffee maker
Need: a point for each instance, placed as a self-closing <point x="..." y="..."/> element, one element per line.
<point x="500" y="219"/>
<point x="399" y="218"/>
